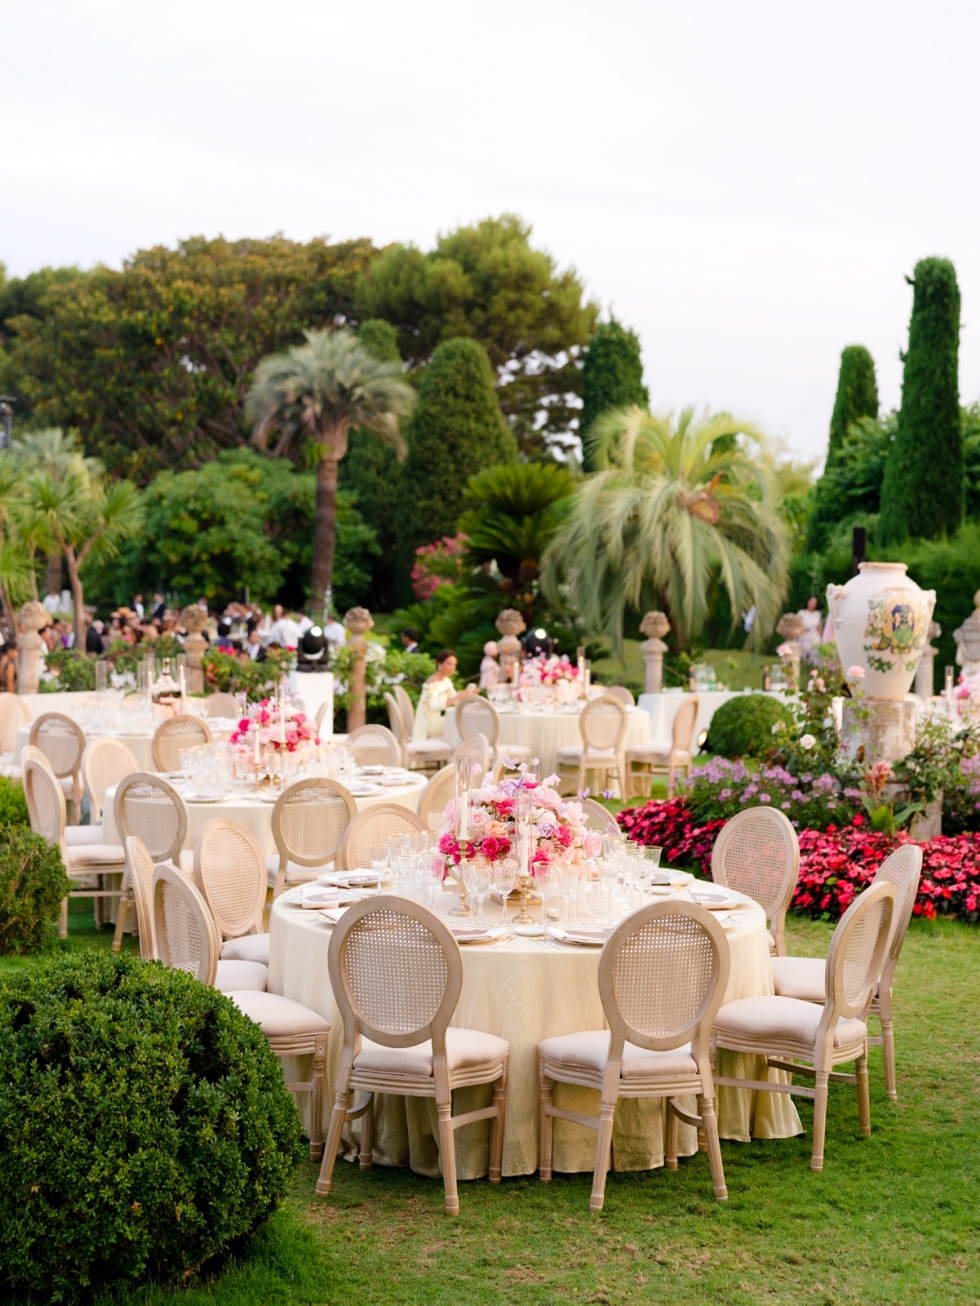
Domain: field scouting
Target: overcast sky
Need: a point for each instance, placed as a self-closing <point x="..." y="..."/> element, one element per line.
<point x="746" y="185"/>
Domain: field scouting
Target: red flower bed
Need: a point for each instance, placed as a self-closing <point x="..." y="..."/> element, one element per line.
<point x="835" y="865"/>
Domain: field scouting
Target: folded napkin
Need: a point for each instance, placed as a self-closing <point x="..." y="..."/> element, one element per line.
<point x="332" y="914"/>
<point x="319" y="895"/>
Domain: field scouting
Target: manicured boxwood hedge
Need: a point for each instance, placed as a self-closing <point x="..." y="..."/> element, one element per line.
<point x="144" y="1126"/>
<point x="33" y="885"/>
<point x="742" y="727"/>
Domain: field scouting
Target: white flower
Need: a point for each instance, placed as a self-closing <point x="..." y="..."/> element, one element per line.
<point x="807" y="742"/>
<point x="780" y="725"/>
<point x="855" y="673"/>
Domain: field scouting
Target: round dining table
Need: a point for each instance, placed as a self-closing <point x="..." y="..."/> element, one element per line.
<point x="255" y="812"/>
<point x="138" y="739"/>
<point x="544" y="731"/>
<point x="525" y="990"/>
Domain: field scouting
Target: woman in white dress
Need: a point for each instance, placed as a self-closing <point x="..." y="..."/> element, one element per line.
<point x="812" y="626"/>
<point x="438" y="693"/>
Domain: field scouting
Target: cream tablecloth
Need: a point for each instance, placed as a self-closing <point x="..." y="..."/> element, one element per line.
<point x="139" y="743"/>
<point x="525" y="992"/>
<point x="256" y="816"/>
<point x="545" y="732"/>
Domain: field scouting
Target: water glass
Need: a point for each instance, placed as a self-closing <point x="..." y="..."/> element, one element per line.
<point x="477" y="875"/>
<point x="379" y="860"/>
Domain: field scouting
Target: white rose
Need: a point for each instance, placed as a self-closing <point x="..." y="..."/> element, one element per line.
<point x="807" y="742"/>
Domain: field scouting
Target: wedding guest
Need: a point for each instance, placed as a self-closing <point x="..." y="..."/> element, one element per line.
<point x="438" y="693"/>
<point x="812" y="626"/>
<point x="223" y="640"/>
<point x="8" y="668"/>
<point x="159" y="607"/>
<point x="285" y="629"/>
<point x="52" y="601"/>
<point x="93" y="638"/>
<point x="253" y="646"/>
<point x="138" y="606"/>
<point x="410" y="640"/>
<point x="490" y="667"/>
<point x="334" y="633"/>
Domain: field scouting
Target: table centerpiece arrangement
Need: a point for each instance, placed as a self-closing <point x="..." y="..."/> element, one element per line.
<point x="552" y="681"/>
<point x="514" y="818"/>
<point x="274" y="735"/>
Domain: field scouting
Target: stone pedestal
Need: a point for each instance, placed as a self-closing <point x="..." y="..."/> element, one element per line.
<point x="510" y="623"/>
<point x="32" y="617"/>
<point x="885" y="730"/>
<point x="655" y="625"/>
<point x="924" y="676"/>
<point x="358" y="622"/>
<point x="194" y="620"/>
<point x="791" y="627"/>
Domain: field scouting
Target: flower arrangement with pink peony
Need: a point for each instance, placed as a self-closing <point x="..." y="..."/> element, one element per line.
<point x="549" y="680"/>
<point x="488" y="825"/>
<point x="275" y="725"/>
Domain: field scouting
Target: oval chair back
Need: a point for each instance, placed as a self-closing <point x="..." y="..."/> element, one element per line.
<point x="174" y="736"/>
<point x="308" y="823"/>
<point x="685" y="722"/>
<point x="14" y="713"/>
<point x="856" y="955"/>
<point x="105" y="762"/>
<point x="186" y="936"/>
<point x="757" y="853"/>
<point x="222" y="705"/>
<point x="149" y="806"/>
<point x="477" y="750"/>
<point x="603" y="725"/>
<point x="621" y="693"/>
<point x="407" y="709"/>
<point x="374" y="745"/>
<point x="139" y="872"/>
<point x="597" y="818"/>
<point x="478" y="716"/>
<point x="375" y="825"/>
<point x="45" y="798"/>
<point x="230" y="871"/>
<point x="436" y="794"/>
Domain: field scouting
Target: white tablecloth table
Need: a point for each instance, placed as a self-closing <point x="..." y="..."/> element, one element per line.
<point x="256" y="815"/>
<point x="662" y="708"/>
<point x="545" y="732"/>
<point x="525" y="992"/>
<point x="139" y="743"/>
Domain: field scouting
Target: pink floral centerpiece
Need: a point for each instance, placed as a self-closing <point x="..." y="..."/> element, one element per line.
<point x="487" y="828"/>
<point x="274" y="726"/>
<point x="550" y="680"/>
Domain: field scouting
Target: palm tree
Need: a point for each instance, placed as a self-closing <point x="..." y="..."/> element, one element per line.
<point x="511" y="512"/>
<point x="673" y="510"/>
<point x="312" y="395"/>
<point x="56" y="451"/>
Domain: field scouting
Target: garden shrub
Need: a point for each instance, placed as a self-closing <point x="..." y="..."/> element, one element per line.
<point x="33" y="884"/>
<point x="144" y="1126"/>
<point x="72" y="671"/>
<point x="13" y="804"/>
<point x="742" y="727"/>
<point x="811" y="800"/>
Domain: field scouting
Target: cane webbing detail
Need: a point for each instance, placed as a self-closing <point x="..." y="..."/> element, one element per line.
<point x="180" y="939"/>
<point x="376" y="826"/>
<point x="603" y="724"/>
<point x="149" y="808"/>
<point x="859" y="955"/>
<point x="174" y="736"/>
<point x="309" y="821"/>
<point x="45" y="801"/>
<point x="233" y="876"/>
<point x="476" y="716"/>
<point x="754" y="857"/>
<point x="105" y="762"/>
<point x="663" y="975"/>
<point x="374" y="745"/>
<point x="396" y="970"/>
<point x="140" y="865"/>
<point x="598" y="819"/>
<point x="60" y="740"/>
<point x="901" y="868"/>
<point x="440" y="790"/>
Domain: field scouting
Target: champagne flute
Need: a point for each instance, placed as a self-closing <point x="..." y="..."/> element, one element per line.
<point x="505" y="881"/>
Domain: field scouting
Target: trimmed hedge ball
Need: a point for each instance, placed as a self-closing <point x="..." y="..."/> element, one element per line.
<point x="144" y="1126"/>
<point x="742" y="726"/>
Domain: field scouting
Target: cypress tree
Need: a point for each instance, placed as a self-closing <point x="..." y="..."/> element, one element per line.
<point x="857" y="395"/>
<point x="370" y="470"/>
<point x="612" y="377"/>
<point x="923" y="491"/>
<point x="457" y="429"/>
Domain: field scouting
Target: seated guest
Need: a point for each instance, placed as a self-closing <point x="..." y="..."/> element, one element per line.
<point x="93" y="638"/>
<point x="438" y="693"/>
<point x="224" y="637"/>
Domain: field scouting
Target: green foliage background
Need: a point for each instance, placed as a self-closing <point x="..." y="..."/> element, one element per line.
<point x="612" y="377"/>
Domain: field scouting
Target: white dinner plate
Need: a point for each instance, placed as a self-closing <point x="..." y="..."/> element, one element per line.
<point x="356" y="879"/>
<point x="477" y="934"/>
<point x="717" y="901"/>
<point x="205" y="798"/>
<point x="588" y="938"/>
<point x="363" y="791"/>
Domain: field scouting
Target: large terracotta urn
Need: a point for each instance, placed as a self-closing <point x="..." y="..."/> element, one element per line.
<point x="881" y="622"/>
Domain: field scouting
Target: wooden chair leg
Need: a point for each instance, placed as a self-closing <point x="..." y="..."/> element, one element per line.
<point x="447" y="1155"/>
<point x="863" y="1097"/>
<point x="316" y="1105"/>
<point x="603" y="1156"/>
<point x="122" y="911"/>
<point x="888" y="1044"/>
<point x="546" y="1129"/>
<point x="819" y="1119"/>
<point x="672" y="1127"/>
<point x="63" y="920"/>
<point x="707" y="1112"/>
<point x="337" y="1118"/>
<point x="365" y="1155"/>
<point x="497" y="1131"/>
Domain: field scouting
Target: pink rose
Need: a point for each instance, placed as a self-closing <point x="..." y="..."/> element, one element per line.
<point x="447" y="845"/>
<point x="592" y="844"/>
<point x="855" y="673"/>
<point x="563" y="836"/>
<point x="490" y="847"/>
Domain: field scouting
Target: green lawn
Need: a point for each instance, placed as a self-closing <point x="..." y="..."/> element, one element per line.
<point x="892" y="1218"/>
<point x="735" y="668"/>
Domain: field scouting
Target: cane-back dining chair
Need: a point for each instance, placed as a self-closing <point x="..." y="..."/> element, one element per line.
<point x="86" y="864"/>
<point x="230" y="871"/>
<point x="478" y="716"/>
<point x="188" y="939"/>
<point x="599" y="818"/>
<point x="757" y="853"/>
<point x="803" y="977"/>
<point x="665" y="756"/>
<point x="436" y="794"/>
<point x="222" y="705"/>
<point x="374" y="745"/>
<point x="62" y="742"/>
<point x="396" y="974"/>
<point x="789" y="1031"/>
<point x="150" y="807"/>
<point x="624" y="695"/>
<point x="174" y="736"/>
<point x="375" y="825"/>
<point x="477" y="751"/>
<point x="105" y="763"/>
<point x="14" y="713"/>
<point x="602" y="725"/>
<point x="308" y="822"/>
<point x="139" y="879"/>
<point x="662" y="977"/>
<point x="420" y="755"/>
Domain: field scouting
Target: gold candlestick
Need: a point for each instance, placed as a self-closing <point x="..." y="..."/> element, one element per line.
<point x="524" y="917"/>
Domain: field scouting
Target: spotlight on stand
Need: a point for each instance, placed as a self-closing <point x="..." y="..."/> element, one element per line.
<point x="537" y="642"/>
<point x="312" y="652"/>
<point x="702" y="738"/>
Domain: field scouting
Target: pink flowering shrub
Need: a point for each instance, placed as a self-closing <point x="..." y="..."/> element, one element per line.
<point x="437" y="564"/>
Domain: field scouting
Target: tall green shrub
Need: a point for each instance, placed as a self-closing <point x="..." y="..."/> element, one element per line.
<point x="612" y="377"/>
<point x="33" y="885"/>
<point x="457" y="429"/>
<point x="923" y="492"/>
<point x="857" y="395"/>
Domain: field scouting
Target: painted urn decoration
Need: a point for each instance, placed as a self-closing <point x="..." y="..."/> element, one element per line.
<point x="881" y="622"/>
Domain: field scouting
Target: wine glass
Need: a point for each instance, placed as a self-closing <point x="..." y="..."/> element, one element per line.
<point x="477" y="875"/>
<point x="505" y="881"/>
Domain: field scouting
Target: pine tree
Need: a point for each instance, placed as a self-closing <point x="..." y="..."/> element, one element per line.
<point x="857" y="396"/>
<point x="457" y="429"/>
<point x="371" y="471"/>
<point x="612" y="377"/>
<point x="923" y="491"/>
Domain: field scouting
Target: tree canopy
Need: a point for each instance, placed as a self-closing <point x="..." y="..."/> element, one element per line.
<point x="152" y="363"/>
<point x="486" y="283"/>
<point x="612" y="376"/>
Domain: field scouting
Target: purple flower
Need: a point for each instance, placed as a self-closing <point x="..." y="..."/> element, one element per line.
<point x="725" y="795"/>
<point x="764" y="798"/>
<point x="785" y="806"/>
